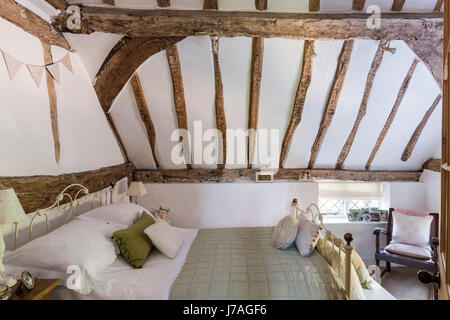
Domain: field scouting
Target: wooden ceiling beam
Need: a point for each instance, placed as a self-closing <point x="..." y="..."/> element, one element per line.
<point x="122" y="62"/>
<point x="116" y="134"/>
<point x="378" y="58"/>
<point x="416" y="134"/>
<point x="110" y="2"/>
<point x="397" y="5"/>
<point x="438" y="6"/>
<point x="358" y="4"/>
<point x="147" y="23"/>
<point x="314" y="5"/>
<point x="433" y="165"/>
<point x="30" y="22"/>
<point x="255" y="89"/>
<point x="221" y="121"/>
<point x="297" y="110"/>
<point x="163" y="3"/>
<point x="142" y="107"/>
<point x="391" y="117"/>
<point x="248" y="175"/>
<point x="180" y="103"/>
<point x="330" y="108"/>
<point x="58" y="4"/>
<point x="261" y="5"/>
<point x="210" y="5"/>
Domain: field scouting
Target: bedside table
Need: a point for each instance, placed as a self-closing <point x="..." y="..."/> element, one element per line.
<point x="41" y="290"/>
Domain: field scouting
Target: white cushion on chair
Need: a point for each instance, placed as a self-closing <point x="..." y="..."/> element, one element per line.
<point x="409" y="250"/>
<point x="411" y="229"/>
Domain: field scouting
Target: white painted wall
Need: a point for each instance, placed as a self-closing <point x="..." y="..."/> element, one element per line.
<point x="26" y="137"/>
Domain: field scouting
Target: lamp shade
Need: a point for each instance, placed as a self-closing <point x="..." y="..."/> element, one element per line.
<point x="136" y="189"/>
<point x="10" y="208"/>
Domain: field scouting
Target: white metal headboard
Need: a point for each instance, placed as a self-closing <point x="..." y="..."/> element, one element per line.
<point x="81" y="196"/>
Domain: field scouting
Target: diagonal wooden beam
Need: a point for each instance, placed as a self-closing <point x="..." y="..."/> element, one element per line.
<point x="255" y="89"/>
<point x="314" y="5"/>
<point x="307" y="26"/>
<point x="178" y="94"/>
<point x="261" y="4"/>
<point x="116" y="134"/>
<point x="330" y="108"/>
<point x="358" y="4"/>
<point x="221" y="121"/>
<point x="415" y="136"/>
<point x="363" y="107"/>
<point x="438" y="6"/>
<point x="433" y="165"/>
<point x="48" y="59"/>
<point x="391" y="117"/>
<point x="145" y="114"/>
<point x="122" y="62"/>
<point x="210" y="5"/>
<point x="30" y="22"/>
<point x="297" y="110"/>
<point x="110" y="2"/>
<point x="58" y="4"/>
<point x="431" y="53"/>
<point x="163" y="3"/>
<point x="397" y="5"/>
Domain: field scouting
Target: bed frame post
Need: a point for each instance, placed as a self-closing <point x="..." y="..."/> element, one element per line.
<point x="348" y="249"/>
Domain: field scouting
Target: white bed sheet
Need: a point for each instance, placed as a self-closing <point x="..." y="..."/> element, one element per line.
<point x="121" y="282"/>
<point x="378" y="293"/>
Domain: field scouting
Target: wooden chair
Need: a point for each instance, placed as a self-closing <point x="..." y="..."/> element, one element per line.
<point x="430" y="265"/>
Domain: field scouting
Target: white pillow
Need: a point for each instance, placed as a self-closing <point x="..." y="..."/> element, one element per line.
<point x="81" y="245"/>
<point x="413" y="230"/>
<point x="307" y="236"/>
<point x="122" y="214"/>
<point x="285" y="232"/>
<point x="165" y="238"/>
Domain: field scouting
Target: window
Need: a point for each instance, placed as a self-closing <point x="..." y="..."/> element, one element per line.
<point x="338" y="199"/>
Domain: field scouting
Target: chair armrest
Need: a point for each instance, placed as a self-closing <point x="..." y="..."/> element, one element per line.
<point x="377" y="231"/>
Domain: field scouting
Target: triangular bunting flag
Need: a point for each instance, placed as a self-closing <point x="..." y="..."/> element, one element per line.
<point x="66" y="62"/>
<point x="36" y="73"/>
<point x="54" y="71"/>
<point x="13" y="65"/>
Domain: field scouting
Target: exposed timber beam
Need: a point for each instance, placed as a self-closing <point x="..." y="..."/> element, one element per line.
<point x="122" y="62"/>
<point x="248" y="175"/>
<point x="333" y="98"/>
<point x="397" y="5"/>
<point x="438" y="6"/>
<point x="314" y="5"/>
<point x="210" y="5"/>
<point x="53" y="105"/>
<point x="39" y="192"/>
<point x="180" y="102"/>
<point x="58" y="4"/>
<point x="261" y="4"/>
<point x="415" y="136"/>
<point x="363" y="107"/>
<point x="163" y="3"/>
<point x="391" y="117"/>
<point x="116" y="134"/>
<point x="148" y="23"/>
<point x="358" y="4"/>
<point x="30" y="22"/>
<point x="255" y="89"/>
<point x="221" y="121"/>
<point x="297" y="110"/>
<point x="141" y="104"/>
<point x="110" y="2"/>
<point x="433" y="165"/>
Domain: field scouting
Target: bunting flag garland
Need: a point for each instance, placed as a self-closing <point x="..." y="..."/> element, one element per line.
<point x="13" y="66"/>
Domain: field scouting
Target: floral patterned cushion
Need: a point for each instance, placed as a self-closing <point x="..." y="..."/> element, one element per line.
<point x="285" y="232"/>
<point x="413" y="230"/>
<point x="409" y="250"/>
<point x="307" y="237"/>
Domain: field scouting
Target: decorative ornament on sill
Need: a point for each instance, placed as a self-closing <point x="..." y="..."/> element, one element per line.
<point x="13" y="66"/>
<point x="161" y="213"/>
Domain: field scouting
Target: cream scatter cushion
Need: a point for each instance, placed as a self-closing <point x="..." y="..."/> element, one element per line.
<point x="409" y="250"/>
<point x="307" y="236"/>
<point x="165" y="237"/>
<point x="411" y="229"/>
<point x="285" y="232"/>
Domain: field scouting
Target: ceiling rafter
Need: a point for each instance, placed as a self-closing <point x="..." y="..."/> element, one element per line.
<point x="146" y="23"/>
<point x="330" y="108"/>
<point x="438" y="6"/>
<point x="314" y="5"/>
<point x="210" y="5"/>
<point x="180" y="103"/>
<point x="391" y="117"/>
<point x="397" y="5"/>
<point x="116" y="134"/>
<point x="110" y="2"/>
<point x="163" y="3"/>
<point x="221" y="121"/>
<point x="415" y="136"/>
<point x="142" y="107"/>
<point x="255" y="89"/>
<point x="30" y="22"/>
<point x="378" y="58"/>
<point x="433" y="165"/>
<point x="297" y="110"/>
<point x="58" y="4"/>
<point x="261" y="4"/>
<point x="358" y="4"/>
<point x="122" y="62"/>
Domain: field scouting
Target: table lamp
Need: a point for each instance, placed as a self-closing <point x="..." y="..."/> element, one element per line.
<point x="137" y="189"/>
<point x="11" y="211"/>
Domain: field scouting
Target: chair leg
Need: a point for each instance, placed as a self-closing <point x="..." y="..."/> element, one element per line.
<point x="377" y="262"/>
<point x="387" y="269"/>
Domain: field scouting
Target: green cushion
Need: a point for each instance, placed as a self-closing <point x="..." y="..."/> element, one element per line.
<point x="133" y="243"/>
